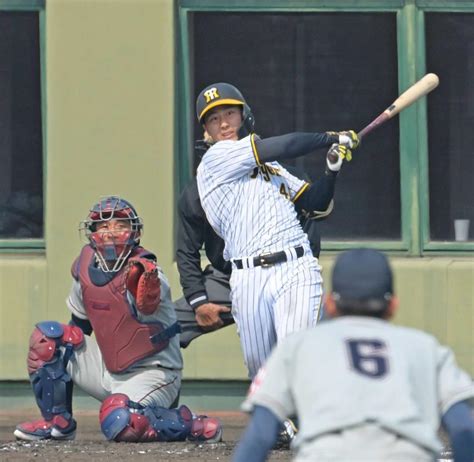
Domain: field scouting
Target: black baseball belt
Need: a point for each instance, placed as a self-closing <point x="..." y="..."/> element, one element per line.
<point x="269" y="259"/>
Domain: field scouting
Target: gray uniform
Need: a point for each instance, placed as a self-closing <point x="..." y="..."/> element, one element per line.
<point x="153" y="380"/>
<point x="378" y="390"/>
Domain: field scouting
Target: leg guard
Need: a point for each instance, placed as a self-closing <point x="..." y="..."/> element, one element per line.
<point x="52" y="385"/>
<point x="125" y="420"/>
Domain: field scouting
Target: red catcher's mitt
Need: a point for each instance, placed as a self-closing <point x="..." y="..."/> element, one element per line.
<point x="143" y="282"/>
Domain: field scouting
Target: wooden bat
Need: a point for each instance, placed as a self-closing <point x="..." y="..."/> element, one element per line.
<point x="426" y="84"/>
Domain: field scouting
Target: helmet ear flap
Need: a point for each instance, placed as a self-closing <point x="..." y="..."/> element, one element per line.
<point x="248" y="122"/>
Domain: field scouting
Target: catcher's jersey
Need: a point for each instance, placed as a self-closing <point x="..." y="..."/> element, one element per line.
<point x="354" y="370"/>
<point x="247" y="203"/>
<point x="170" y="357"/>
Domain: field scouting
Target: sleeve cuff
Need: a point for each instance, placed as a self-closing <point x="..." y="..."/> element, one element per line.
<point x="196" y="300"/>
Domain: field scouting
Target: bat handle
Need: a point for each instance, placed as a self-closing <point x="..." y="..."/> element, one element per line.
<point x="374" y="124"/>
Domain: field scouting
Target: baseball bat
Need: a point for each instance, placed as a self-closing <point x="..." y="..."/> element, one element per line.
<point x="426" y="84"/>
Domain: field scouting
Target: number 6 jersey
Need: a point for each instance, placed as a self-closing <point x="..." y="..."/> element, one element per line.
<point x="353" y="370"/>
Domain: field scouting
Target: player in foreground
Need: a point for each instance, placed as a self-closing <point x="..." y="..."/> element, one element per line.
<point x="133" y="365"/>
<point x="378" y="392"/>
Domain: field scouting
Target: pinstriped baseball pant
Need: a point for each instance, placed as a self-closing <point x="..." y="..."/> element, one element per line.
<point x="269" y="303"/>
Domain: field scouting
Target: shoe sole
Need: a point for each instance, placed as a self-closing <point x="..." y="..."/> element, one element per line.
<point x="28" y="437"/>
<point x="55" y="435"/>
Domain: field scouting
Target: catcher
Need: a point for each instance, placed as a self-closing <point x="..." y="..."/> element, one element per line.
<point x="133" y="365"/>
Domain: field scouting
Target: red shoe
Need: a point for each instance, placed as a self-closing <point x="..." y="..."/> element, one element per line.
<point x="57" y="429"/>
<point x="205" y="430"/>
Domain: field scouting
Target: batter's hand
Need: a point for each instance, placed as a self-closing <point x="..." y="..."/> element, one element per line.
<point x="349" y="139"/>
<point x="207" y="316"/>
<point x="336" y="155"/>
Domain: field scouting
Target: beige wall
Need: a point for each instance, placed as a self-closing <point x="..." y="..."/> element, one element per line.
<point x="110" y="89"/>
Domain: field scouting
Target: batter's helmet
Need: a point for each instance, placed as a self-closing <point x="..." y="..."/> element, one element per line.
<point x="112" y="252"/>
<point x="222" y="93"/>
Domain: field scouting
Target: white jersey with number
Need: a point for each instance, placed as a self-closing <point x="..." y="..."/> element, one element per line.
<point x="249" y="204"/>
<point x="368" y="371"/>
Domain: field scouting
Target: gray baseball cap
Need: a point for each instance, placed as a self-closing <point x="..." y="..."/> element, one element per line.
<point x="362" y="274"/>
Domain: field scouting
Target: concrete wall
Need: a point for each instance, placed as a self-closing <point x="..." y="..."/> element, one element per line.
<point x="110" y="89"/>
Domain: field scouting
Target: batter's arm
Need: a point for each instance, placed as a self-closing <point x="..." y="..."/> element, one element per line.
<point x="292" y="145"/>
<point x="316" y="200"/>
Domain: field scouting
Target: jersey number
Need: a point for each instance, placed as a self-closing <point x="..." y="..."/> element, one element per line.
<point x="368" y="357"/>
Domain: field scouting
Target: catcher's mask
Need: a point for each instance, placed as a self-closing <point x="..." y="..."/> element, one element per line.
<point x="114" y="241"/>
<point x="219" y="94"/>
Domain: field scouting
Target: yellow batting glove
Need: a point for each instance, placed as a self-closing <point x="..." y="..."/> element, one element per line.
<point x="349" y="139"/>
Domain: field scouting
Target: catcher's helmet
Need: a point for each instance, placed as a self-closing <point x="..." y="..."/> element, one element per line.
<point x="219" y="94"/>
<point x="112" y="250"/>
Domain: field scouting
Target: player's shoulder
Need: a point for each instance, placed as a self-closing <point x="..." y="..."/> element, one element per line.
<point x="222" y="147"/>
<point x="415" y="334"/>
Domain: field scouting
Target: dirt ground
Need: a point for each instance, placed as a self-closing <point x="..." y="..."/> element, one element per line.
<point x="90" y="444"/>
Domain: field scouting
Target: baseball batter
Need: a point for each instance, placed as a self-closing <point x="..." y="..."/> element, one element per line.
<point x="249" y="199"/>
<point x="133" y="364"/>
<point x="380" y="391"/>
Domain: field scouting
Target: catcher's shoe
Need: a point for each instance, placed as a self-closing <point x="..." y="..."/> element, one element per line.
<point x="204" y="429"/>
<point x="287" y="435"/>
<point x="57" y="429"/>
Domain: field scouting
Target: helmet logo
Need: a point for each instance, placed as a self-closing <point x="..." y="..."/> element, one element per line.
<point x="211" y="94"/>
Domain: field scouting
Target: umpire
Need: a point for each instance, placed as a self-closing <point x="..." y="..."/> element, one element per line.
<point x="205" y="306"/>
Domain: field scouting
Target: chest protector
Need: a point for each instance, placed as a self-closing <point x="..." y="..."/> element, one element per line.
<point x="122" y="339"/>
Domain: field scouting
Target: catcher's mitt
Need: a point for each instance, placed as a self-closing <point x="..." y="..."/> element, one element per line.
<point x="143" y="282"/>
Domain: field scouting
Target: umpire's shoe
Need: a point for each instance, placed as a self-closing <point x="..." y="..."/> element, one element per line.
<point x="286" y="435"/>
<point x="59" y="428"/>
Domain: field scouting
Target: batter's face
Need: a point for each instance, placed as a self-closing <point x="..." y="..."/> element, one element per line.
<point x="223" y="123"/>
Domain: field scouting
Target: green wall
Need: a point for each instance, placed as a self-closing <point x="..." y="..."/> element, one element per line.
<point x="110" y="84"/>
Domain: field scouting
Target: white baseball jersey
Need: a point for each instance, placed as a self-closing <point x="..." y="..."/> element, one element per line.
<point x="250" y="205"/>
<point x="368" y="372"/>
<point x="155" y="379"/>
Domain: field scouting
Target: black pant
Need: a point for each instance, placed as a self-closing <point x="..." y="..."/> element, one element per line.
<point x="218" y="291"/>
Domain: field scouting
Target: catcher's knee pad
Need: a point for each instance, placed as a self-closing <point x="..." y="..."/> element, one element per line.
<point x="125" y="420"/>
<point x="51" y="345"/>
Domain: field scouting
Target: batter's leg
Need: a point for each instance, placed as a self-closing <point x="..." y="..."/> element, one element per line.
<point x="252" y="311"/>
<point x="299" y="295"/>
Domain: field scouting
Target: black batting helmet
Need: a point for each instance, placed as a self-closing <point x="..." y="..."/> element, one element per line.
<point x="219" y="94"/>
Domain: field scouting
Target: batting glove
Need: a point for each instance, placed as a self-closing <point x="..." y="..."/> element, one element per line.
<point x="349" y="139"/>
<point x="336" y="155"/>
